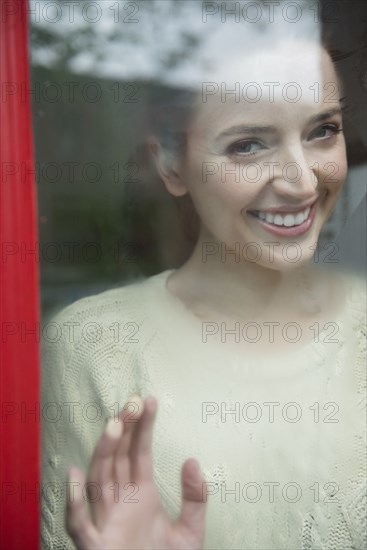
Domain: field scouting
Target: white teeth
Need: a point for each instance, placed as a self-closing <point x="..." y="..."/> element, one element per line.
<point x="300" y="218"/>
<point x="288" y="220"/>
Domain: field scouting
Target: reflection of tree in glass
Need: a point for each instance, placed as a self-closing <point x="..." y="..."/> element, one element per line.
<point x="157" y="30"/>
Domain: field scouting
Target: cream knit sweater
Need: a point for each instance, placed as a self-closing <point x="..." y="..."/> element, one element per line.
<point x="281" y="443"/>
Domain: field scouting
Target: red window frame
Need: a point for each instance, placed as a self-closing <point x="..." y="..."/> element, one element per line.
<point x="19" y="287"/>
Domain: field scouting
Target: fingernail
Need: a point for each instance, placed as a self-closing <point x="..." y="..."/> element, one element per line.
<point x="114" y="428"/>
<point x="73" y="475"/>
<point x="74" y="489"/>
<point x="134" y="406"/>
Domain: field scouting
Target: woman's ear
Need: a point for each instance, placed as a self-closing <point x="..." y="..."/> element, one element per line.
<point x="167" y="167"/>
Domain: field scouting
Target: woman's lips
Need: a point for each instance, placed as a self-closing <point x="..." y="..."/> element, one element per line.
<point x="283" y="231"/>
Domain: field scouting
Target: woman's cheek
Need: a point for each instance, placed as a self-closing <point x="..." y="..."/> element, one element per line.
<point x="334" y="174"/>
<point x="336" y="166"/>
<point x="221" y="183"/>
<point x="238" y="184"/>
<point x="231" y="195"/>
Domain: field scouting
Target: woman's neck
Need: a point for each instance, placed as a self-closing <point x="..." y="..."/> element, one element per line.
<point x="216" y="281"/>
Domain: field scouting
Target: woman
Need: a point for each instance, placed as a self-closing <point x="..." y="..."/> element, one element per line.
<point x="254" y="356"/>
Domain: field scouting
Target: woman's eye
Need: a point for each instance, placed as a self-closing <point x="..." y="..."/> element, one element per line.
<point x="325" y="132"/>
<point x="245" y="148"/>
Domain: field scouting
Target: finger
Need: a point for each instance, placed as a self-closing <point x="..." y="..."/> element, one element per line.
<point x="193" y="508"/>
<point x="130" y="415"/>
<point x="101" y="471"/>
<point x="101" y="466"/>
<point x="141" y="445"/>
<point x="78" y="524"/>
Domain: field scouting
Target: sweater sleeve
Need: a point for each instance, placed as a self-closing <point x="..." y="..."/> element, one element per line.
<point x="89" y="372"/>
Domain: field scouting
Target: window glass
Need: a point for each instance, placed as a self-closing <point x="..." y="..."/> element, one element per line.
<point x="97" y="69"/>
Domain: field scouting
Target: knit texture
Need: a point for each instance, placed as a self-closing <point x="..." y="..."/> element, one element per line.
<point x="281" y="441"/>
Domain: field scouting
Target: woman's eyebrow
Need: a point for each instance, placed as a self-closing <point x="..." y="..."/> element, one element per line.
<point x="325" y="115"/>
<point x="241" y="129"/>
<point x="244" y="129"/>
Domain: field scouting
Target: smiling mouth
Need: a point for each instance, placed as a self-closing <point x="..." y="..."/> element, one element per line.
<point x="280" y="220"/>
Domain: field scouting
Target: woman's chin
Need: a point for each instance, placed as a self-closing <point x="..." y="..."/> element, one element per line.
<point x="288" y="256"/>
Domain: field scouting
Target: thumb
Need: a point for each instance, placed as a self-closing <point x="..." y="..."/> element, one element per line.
<point x="193" y="508"/>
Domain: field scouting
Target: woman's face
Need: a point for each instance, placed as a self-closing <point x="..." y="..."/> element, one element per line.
<point x="266" y="161"/>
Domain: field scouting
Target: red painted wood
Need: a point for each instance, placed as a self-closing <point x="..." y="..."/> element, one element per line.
<point x="19" y="369"/>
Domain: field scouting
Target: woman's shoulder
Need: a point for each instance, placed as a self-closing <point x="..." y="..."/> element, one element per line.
<point x="118" y="318"/>
<point x="356" y="306"/>
<point x="345" y="292"/>
<point x="356" y="294"/>
<point x="122" y="301"/>
<point x="98" y="338"/>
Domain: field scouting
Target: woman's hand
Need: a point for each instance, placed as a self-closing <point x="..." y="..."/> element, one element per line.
<point x="126" y="509"/>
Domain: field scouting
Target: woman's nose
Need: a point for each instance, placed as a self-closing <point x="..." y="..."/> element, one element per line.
<point x="295" y="176"/>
